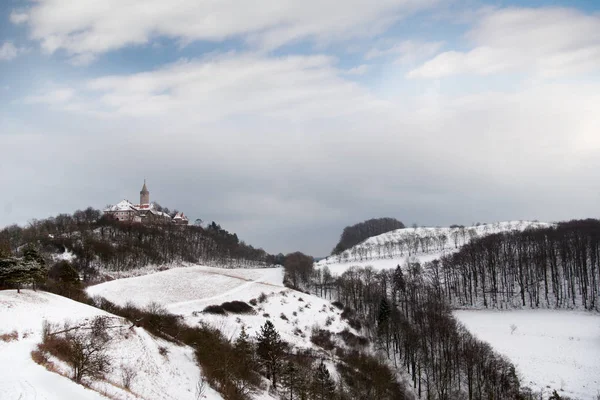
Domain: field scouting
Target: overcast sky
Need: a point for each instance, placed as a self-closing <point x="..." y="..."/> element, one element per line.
<point x="286" y="120"/>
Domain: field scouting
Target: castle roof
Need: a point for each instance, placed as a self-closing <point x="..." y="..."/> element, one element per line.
<point x="180" y="215"/>
<point x="123" y="205"/>
<point x="144" y="188"/>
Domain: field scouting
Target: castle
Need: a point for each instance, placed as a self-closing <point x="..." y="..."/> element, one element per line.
<point x="145" y="212"/>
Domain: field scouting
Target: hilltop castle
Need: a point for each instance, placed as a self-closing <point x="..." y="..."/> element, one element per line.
<point x="144" y="212"/>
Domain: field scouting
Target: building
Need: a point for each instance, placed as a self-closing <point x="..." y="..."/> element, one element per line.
<point x="144" y="212"/>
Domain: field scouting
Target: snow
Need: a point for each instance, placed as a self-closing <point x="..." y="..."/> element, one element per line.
<point x="393" y="248"/>
<point x="189" y="285"/>
<point x="158" y="377"/>
<point x="551" y="349"/>
<point x="187" y="291"/>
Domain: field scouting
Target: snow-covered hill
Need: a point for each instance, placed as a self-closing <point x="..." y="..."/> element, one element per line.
<point x="171" y="376"/>
<point x="422" y="244"/>
<point x="551" y="349"/>
<point x="187" y="291"/>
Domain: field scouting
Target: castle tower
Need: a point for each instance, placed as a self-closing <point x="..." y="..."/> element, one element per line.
<point x="144" y="195"/>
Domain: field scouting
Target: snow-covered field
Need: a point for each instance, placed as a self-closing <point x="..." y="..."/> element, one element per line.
<point x="551" y="349"/>
<point x="390" y="249"/>
<point x="189" y="285"/>
<point x="173" y="376"/>
<point x="187" y="291"/>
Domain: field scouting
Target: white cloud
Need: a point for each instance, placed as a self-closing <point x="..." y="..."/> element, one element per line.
<point x="358" y="70"/>
<point x="232" y="85"/>
<point x="407" y="51"/>
<point x="52" y="97"/>
<point x="18" y="17"/>
<point x="9" y="51"/>
<point x="98" y="26"/>
<point x="547" y="42"/>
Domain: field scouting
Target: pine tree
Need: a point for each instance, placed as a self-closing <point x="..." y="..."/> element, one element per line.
<point x="18" y="271"/>
<point x="270" y="349"/>
<point x="399" y="282"/>
<point x="323" y="385"/>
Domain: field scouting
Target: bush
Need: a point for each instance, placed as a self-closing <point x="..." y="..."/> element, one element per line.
<point x="322" y="338"/>
<point x="262" y="298"/>
<point x="352" y="340"/>
<point x="9" y="337"/>
<point x="350" y="316"/>
<point x="338" y="304"/>
<point x="237" y="307"/>
<point x="283" y="317"/>
<point x="214" y="309"/>
<point x="82" y="348"/>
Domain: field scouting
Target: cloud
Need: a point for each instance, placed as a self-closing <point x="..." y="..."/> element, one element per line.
<point x="358" y="70"/>
<point x="18" y="17"/>
<point x="546" y="42"/>
<point x="98" y="26"/>
<point x="286" y="151"/>
<point x="407" y="51"/>
<point x="227" y="86"/>
<point x="52" y="97"/>
<point x="8" y="51"/>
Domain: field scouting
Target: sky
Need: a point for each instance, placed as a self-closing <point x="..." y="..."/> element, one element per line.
<point x="287" y="120"/>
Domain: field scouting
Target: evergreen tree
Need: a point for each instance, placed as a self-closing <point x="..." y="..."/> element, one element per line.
<point x="270" y="349"/>
<point x="399" y="282"/>
<point x="19" y="271"/>
<point x="383" y="316"/>
<point x="323" y="385"/>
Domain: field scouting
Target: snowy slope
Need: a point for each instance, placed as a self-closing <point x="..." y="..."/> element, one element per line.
<point x="187" y="291"/>
<point x="158" y="377"/>
<point x="189" y="285"/>
<point x="421" y="244"/>
<point x="551" y="349"/>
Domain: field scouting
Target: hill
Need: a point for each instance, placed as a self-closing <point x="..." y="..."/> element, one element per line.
<point x="420" y="244"/>
<point x="130" y="348"/>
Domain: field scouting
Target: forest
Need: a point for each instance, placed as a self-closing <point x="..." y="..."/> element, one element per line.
<point x="99" y="243"/>
<point x="554" y="267"/>
<point x="353" y="235"/>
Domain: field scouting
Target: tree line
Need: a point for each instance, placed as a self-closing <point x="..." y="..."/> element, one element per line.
<point x="353" y="235"/>
<point x="413" y="326"/>
<point x="99" y="243"/>
<point x="554" y="267"/>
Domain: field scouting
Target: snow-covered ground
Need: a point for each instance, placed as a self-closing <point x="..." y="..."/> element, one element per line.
<point x="187" y="291"/>
<point x="551" y="349"/>
<point x="190" y="286"/>
<point x="423" y="244"/>
<point x="173" y="376"/>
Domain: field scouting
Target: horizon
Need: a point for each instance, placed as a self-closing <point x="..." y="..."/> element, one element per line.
<point x="286" y="124"/>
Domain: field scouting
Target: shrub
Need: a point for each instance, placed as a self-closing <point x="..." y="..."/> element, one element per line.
<point x="283" y="317"/>
<point x="322" y="338"/>
<point x="262" y="298"/>
<point x="237" y="307"/>
<point x="82" y="348"/>
<point x="352" y="340"/>
<point x="349" y="315"/>
<point x="214" y="309"/>
<point x="163" y="351"/>
<point x="9" y="337"/>
<point x="338" y="304"/>
<point x="128" y="374"/>
<point x="253" y="302"/>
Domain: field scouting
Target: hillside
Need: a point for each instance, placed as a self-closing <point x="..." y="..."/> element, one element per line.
<point x="422" y="244"/>
<point x="157" y="376"/>
<point x="551" y="348"/>
<point x="188" y="291"/>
